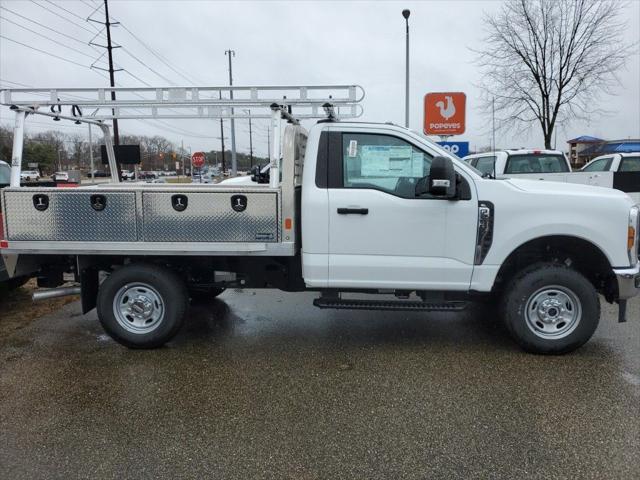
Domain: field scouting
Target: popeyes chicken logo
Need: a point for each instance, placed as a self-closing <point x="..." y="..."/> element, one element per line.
<point x="444" y="113"/>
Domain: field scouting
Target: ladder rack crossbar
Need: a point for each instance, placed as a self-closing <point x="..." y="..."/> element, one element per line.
<point x="182" y="113"/>
<point x="186" y="96"/>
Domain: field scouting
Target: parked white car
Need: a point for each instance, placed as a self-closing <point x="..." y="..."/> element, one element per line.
<point x="60" y="177"/>
<point x="30" y="175"/>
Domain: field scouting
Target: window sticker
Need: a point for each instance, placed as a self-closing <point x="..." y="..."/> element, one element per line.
<point x="353" y="148"/>
<point x="390" y="161"/>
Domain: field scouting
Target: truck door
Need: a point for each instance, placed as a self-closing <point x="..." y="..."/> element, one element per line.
<point x="380" y="234"/>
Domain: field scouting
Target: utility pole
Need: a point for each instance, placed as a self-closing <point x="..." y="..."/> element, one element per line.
<point x="405" y="14"/>
<point x="112" y="82"/>
<point x="116" y="136"/>
<point x="234" y="160"/>
<point x="224" y="166"/>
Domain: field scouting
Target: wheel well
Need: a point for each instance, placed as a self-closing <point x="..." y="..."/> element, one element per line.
<point x="578" y="253"/>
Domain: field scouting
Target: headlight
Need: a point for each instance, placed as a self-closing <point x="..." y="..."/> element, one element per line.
<point x="633" y="232"/>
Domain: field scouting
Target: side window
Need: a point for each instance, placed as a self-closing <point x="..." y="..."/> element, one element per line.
<point x="601" y="165"/>
<point x="486" y="165"/>
<point x="630" y="164"/>
<point x="382" y="162"/>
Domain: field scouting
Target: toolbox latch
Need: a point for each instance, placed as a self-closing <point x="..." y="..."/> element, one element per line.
<point x="179" y="202"/>
<point x="41" y="202"/>
<point x="98" y="202"/>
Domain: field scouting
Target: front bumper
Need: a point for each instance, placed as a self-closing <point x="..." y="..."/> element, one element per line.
<point x="628" y="281"/>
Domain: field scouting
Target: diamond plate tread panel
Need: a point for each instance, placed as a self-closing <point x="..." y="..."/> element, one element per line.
<point x="210" y="218"/>
<point x="70" y="217"/>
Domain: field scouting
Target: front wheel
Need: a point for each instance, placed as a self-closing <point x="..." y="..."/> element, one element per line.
<point x="551" y="309"/>
<point x="142" y="305"/>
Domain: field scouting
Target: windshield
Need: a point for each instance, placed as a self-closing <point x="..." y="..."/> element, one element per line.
<point x="5" y="173"/>
<point x="536" y="163"/>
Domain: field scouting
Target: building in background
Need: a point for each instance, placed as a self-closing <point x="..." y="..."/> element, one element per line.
<point x="579" y="145"/>
<point x="585" y="148"/>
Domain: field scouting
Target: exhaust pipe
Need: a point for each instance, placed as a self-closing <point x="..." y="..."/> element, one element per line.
<point x="55" y="293"/>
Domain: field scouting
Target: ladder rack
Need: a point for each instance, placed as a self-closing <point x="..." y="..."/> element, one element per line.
<point x="306" y="102"/>
<point x="274" y="102"/>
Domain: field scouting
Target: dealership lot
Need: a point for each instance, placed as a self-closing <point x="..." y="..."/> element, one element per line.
<point x="259" y="384"/>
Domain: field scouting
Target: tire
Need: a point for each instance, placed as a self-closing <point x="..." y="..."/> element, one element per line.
<point x="9" y="285"/>
<point x="151" y="319"/>
<point x="550" y="309"/>
<point x="204" y="295"/>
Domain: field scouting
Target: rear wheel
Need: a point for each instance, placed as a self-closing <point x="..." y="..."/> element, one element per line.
<point x="13" y="283"/>
<point x="551" y="309"/>
<point x="142" y="306"/>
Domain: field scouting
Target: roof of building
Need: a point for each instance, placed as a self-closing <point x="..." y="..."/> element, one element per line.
<point x="618" y="146"/>
<point x="585" y="139"/>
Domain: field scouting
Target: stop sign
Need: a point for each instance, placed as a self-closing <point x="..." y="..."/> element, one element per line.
<point x="197" y="159"/>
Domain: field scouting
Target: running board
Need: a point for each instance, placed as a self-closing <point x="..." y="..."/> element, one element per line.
<point x="349" y="304"/>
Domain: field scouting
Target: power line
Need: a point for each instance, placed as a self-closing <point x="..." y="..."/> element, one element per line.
<point x="93" y="8"/>
<point x="63" y="17"/>
<point x="168" y="127"/>
<point x="43" y="26"/>
<point x="68" y="11"/>
<point x="137" y="78"/>
<point x="48" y="38"/>
<point x="147" y="66"/>
<point x="158" y="56"/>
<point x="45" y="52"/>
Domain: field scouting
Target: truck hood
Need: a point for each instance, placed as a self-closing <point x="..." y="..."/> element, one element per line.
<point x="546" y="187"/>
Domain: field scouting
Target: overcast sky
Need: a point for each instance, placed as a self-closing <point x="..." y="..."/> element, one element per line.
<point x="294" y="42"/>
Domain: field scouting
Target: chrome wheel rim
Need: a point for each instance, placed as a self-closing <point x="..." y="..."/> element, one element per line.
<point x="553" y="312"/>
<point x="138" y="308"/>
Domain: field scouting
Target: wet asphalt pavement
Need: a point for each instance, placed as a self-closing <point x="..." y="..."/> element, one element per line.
<point x="264" y="385"/>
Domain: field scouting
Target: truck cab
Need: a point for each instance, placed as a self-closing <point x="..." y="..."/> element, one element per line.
<point x="615" y="162"/>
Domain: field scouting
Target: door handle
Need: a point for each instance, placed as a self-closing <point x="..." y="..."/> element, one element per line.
<point x="356" y="211"/>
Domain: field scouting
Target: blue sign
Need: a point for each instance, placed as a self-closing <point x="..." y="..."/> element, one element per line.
<point x="460" y="149"/>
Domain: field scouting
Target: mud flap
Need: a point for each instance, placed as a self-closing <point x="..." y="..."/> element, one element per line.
<point x="622" y="311"/>
<point x="89" y="285"/>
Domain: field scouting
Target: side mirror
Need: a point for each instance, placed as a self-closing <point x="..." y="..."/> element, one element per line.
<point x="442" y="179"/>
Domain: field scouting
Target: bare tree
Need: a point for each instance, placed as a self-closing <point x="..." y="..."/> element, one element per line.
<point x="548" y="62"/>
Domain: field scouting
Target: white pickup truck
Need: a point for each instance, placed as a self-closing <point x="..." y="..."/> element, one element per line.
<point x="361" y="208"/>
<point x="620" y="170"/>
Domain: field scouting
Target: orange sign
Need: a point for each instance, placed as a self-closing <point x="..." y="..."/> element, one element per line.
<point x="444" y="113"/>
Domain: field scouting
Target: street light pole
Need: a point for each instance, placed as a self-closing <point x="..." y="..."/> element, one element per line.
<point x="405" y="14"/>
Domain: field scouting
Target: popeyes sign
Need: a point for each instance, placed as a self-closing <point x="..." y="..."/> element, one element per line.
<point x="444" y="113"/>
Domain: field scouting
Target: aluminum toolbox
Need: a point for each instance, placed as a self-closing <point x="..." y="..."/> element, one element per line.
<point x="70" y="215"/>
<point x="146" y="218"/>
<point x="210" y="217"/>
